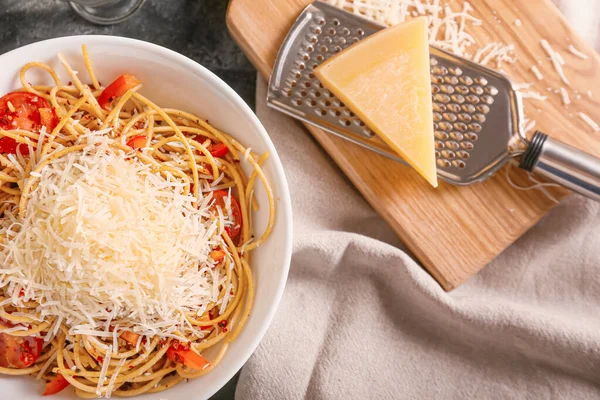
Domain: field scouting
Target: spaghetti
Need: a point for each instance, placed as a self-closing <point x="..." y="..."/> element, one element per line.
<point x="65" y="134"/>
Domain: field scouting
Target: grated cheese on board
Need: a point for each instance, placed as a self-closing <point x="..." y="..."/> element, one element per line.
<point x="590" y="122"/>
<point x="577" y="53"/>
<point x="447" y="27"/>
<point x="537" y="73"/>
<point x="107" y="241"/>
<point x="565" y="96"/>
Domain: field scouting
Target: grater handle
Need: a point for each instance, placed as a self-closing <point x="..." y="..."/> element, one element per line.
<point x="563" y="164"/>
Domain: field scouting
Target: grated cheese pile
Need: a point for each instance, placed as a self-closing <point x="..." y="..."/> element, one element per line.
<point x="447" y="27"/>
<point x="106" y="241"/>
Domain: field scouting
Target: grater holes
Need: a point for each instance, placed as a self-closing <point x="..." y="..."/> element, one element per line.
<point x="321" y="21"/>
<point x="323" y="49"/>
<point x="307" y="84"/>
<point x="455" y="108"/>
<point x="437" y="79"/>
<point x="311" y="76"/>
<point x="491" y="90"/>
<point x="452" y="145"/>
<point x="456" y="71"/>
<point x="468" y="108"/>
<point x="483" y="108"/>
<point x="439" y="107"/>
<point x="449" y="117"/>
<point x="471" y="136"/>
<point x="489" y="100"/>
<point x="479" y="118"/>
<point x="448" y="154"/>
<point x="443" y="163"/>
<point x="456" y="136"/>
<point x="317" y="30"/>
<point x="457" y="98"/>
<point x="320" y="112"/>
<point x="303" y="93"/>
<point x="440" y="70"/>
<point x="310" y="48"/>
<point x="313" y="39"/>
<point x="293" y="83"/>
<point x="345" y="31"/>
<point x="312" y="103"/>
<point x="305" y="57"/>
<point x="475" y="127"/>
<point x="452" y="80"/>
<point x="337" y="49"/>
<point x="463" y="154"/>
<point x="480" y="80"/>
<point x="301" y="66"/>
<point x="298" y="102"/>
<point x="336" y="22"/>
<point x="355" y="40"/>
<point x="446" y="126"/>
<point x="447" y="89"/>
<point x="341" y="40"/>
<point x="460" y="126"/>
<point x="433" y="62"/>
<point x="298" y="75"/>
<point x="464" y="117"/>
<point x="471" y="98"/>
<point x="459" y="164"/>
<point x="442" y="98"/>
<point x="437" y="154"/>
<point x="435" y="89"/>
<point x="327" y="40"/>
<point x="466" y="80"/>
<point x="441" y="135"/>
<point x="360" y="32"/>
<point x="437" y="117"/>
<point x="331" y="31"/>
<point x="478" y="90"/>
<point x="466" y="145"/>
<point x="462" y="89"/>
<point x="439" y="144"/>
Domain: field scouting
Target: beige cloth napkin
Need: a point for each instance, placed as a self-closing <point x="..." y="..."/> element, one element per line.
<point x="360" y="319"/>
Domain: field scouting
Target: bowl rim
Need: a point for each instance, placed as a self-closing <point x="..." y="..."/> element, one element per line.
<point x="284" y="207"/>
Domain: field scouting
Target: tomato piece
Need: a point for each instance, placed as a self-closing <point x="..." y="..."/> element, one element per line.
<point x="130" y="337"/>
<point x="117" y="89"/>
<point x="217" y="255"/>
<point x="137" y="142"/>
<point x="18" y="351"/>
<point x="55" y="385"/>
<point x="48" y="118"/>
<point x="219" y="197"/>
<point x="186" y="356"/>
<point x="218" y="149"/>
<point x="27" y="111"/>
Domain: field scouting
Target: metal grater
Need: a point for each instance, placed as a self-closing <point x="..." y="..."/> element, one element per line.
<point x="476" y="110"/>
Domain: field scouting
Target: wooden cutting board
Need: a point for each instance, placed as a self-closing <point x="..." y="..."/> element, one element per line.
<point x="455" y="231"/>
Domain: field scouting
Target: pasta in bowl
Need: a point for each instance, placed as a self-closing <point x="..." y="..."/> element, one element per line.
<point x="136" y="239"/>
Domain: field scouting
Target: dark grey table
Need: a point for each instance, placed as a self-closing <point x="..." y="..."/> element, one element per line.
<point x="194" y="28"/>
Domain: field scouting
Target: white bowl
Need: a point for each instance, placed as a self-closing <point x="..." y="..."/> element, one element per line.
<point x="172" y="80"/>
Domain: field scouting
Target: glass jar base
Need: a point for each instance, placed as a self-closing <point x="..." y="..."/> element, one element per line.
<point x="110" y="14"/>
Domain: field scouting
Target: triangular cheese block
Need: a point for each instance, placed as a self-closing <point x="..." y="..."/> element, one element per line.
<point x="385" y="80"/>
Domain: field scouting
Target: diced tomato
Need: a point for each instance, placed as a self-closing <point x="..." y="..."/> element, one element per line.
<point x="19" y="352"/>
<point x="186" y="356"/>
<point x="31" y="112"/>
<point x="130" y="337"/>
<point x="219" y="197"/>
<point x="218" y="149"/>
<point x="57" y="384"/>
<point x="48" y="118"/>
<point x="137" y="142"/>
<point x="117" y="89"/>
<point x="217" y="255"/>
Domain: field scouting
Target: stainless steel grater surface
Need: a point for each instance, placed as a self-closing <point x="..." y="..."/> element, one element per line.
<point x="472" y="119"/>
<point x="477" y="111"/>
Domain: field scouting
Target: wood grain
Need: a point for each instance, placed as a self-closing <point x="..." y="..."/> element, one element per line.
<point x="454" y="231"/>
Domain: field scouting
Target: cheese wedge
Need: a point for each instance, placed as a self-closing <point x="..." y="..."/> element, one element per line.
<point x="385" y="80"/>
